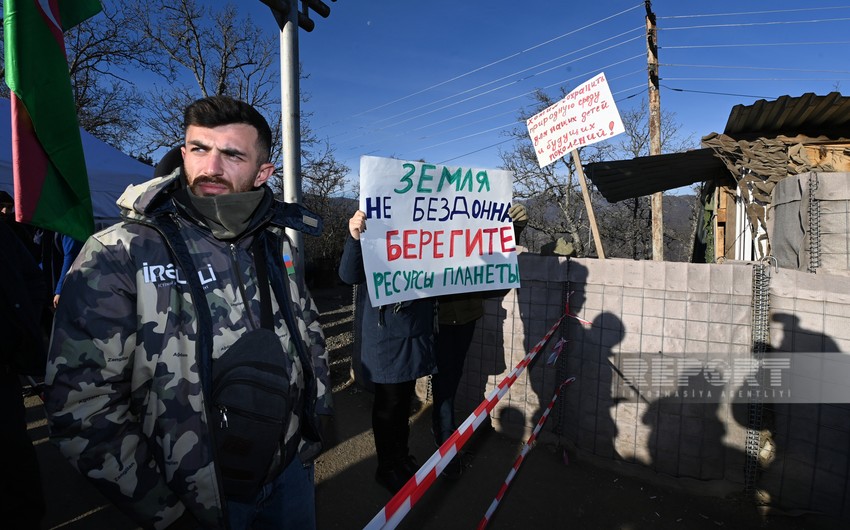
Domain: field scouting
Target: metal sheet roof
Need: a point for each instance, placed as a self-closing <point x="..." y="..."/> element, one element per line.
<point x="809" y="115"/>
<point x="626" y="179"/>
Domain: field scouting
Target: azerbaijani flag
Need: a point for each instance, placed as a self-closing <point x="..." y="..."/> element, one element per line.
<point x="290" y="266"/>
<point x="51" y="182"/>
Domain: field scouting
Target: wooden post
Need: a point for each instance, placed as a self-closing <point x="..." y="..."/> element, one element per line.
<point x="656" y="199"/>
<point x="588" y="205"/>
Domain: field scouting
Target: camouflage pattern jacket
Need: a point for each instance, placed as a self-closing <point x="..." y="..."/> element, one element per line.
<point x="129" y="362"/>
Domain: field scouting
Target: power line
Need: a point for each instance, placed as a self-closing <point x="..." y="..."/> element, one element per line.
<point x="772" y="12"/>
<point x="497" y="115"/>
<point x="497" y="128"/>
<point x="594" y="45"/>
<point x="742" y="45"/>
<point x="502" y="59"/>
<point x="558" y="83"/>
<point x="456" y="116"/>
<point x="480" y="68"/>
<point x="513" y="79"/>
<point x="729" y="67"/>
<point x="716" y="93"/>
<point x="746" y="24"/>
<point x="477" y="151"/>
<point x="750" y="79"/>
<point x="480" y="94"/>
<point x="504" y="86"/>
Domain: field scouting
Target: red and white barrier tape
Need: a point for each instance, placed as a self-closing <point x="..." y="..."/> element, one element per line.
<point x="521" y="457"/>
<point x="399" y="506"/>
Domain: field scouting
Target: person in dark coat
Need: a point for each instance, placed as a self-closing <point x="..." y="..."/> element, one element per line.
<point x="458" y="316"/>
<point x="397" y="347"/>
<point x="23" y="295"/>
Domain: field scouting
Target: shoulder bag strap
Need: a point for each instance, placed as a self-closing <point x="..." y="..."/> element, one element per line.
<point x="263" y="283"/>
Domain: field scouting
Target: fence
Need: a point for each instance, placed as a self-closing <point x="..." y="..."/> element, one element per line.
<point x="791" y="455"/>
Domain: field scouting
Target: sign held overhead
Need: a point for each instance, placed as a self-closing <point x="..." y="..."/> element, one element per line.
<point x="585" y="116"/>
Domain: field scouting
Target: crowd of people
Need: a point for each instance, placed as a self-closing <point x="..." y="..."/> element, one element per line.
<point x="186" y="374"/>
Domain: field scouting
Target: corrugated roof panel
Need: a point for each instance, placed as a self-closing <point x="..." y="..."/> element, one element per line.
<point x="809" y="115"/>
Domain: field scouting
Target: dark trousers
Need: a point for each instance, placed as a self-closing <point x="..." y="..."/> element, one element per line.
<point x="21" y="496"/>
<point x="452" y="344"/>
<point x="390" y="415"/>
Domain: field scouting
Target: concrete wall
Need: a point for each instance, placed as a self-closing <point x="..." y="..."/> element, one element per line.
<point x="791" y="456"/>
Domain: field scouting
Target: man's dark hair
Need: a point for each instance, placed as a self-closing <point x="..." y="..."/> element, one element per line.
<point x="215" y="111"/>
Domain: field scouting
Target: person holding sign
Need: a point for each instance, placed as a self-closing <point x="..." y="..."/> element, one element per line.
<point x="458" y="314"/>
<point x="397" y="347"/>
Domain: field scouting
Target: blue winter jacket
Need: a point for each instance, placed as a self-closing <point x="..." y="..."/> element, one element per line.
<point x="398" y="341"/>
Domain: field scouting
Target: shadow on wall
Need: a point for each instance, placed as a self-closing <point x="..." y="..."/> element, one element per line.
<point x="686" y="436"/>
<point x="590" y="408"/>
<point x="609" y="389"/>
<point x="503" y="337"/>
<point x="802" y="461"/>
<point x="538" y="306"/>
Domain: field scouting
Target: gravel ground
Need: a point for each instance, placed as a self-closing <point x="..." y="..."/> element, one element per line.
<point x="336" y="306"/>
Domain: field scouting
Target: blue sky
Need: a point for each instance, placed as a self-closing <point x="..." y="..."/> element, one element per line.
<point x="443" y="80"/>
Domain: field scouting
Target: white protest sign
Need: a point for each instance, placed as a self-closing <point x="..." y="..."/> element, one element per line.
<point x="585" y="116"/>
<point x="433" y="230"/>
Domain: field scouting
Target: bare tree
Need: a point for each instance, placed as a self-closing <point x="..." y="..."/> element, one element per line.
<point x="101" y="56"/>
<point x="202" y="52"/>
<point x="323" y="177"/>
<point x="225" y="53"/>
<point x="221" y="53"/>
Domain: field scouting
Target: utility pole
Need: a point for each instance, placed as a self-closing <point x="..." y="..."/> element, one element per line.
<point x="289" y="19"/>
<point x="657" y="198"/>
<point x="290" y="103"/>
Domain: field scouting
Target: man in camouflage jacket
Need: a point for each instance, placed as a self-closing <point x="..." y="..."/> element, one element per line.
<point x="149" y="304"/>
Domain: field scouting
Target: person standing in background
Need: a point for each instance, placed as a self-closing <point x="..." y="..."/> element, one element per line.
<point x="397" y="348"/>
<point x="70" y="248"/>
<point x="23" y="294"/>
